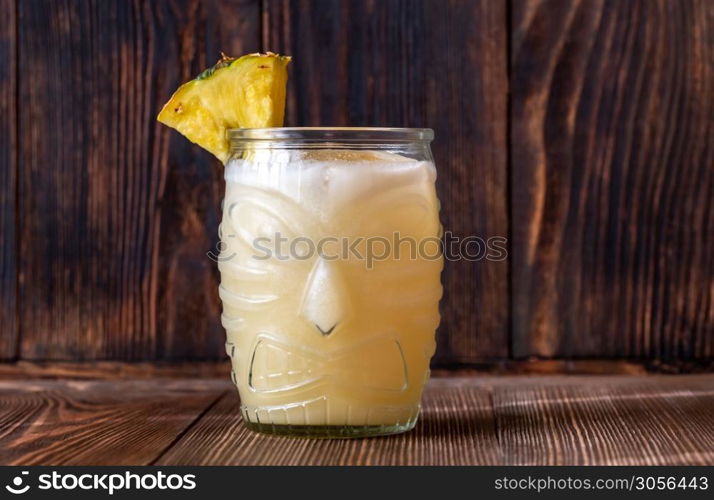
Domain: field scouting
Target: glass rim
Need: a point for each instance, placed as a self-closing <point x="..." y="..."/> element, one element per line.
<point x="361" y="135"/>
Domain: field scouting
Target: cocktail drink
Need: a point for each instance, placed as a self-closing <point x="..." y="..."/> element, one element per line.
<point x="330" y="260"/>
<point x="330" y="284"/>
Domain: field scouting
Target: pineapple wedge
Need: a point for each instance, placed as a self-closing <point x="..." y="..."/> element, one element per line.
<point x="247" y="92"/>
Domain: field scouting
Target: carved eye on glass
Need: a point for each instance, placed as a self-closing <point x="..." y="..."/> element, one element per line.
<point x="268" y="227"/>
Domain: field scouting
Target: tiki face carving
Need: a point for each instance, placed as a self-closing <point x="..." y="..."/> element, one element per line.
<point x="318" y="302"/>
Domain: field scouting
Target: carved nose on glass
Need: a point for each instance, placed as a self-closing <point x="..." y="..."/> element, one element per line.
<point x="324" y="298"/>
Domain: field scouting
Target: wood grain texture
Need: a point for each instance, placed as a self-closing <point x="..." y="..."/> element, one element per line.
<point x="8" y="180"/>
<point x="117" y="212"/>
<point x="113" y="370"/>
<point x="612" y="120"/>
<point x="607" y="420"/>
<point x="455" y="427"/>
<point x="97" y="423"/>
<point x="486" y="421"/>
<point x="432" y="63"/>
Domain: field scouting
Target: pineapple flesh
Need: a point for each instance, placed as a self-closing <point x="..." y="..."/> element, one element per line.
<point x="245" y="92"/>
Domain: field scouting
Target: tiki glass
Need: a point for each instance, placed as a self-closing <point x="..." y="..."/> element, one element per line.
<point x="330" y="277"/>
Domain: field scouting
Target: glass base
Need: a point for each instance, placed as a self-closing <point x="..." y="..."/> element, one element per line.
<point x="331" y="431"/>
<point x="317" y="419"/>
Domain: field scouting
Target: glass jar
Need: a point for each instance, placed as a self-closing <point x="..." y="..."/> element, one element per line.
<point x="330" y="277"/>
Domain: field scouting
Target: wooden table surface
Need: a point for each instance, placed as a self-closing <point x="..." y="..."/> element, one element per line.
<point x="654" y="419"/>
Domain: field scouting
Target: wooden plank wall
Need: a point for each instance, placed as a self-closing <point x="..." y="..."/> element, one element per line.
<point x="612" y="119"/>
<point x="116" y="211"/>
<point x="8" y="182"/>
<point x="581" y="130"/>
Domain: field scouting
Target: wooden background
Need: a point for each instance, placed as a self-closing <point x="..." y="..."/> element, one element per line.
<point x="581" y="130"/>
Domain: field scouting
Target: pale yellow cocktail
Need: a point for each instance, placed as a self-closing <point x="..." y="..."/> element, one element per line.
<point x="325" y="341"/>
